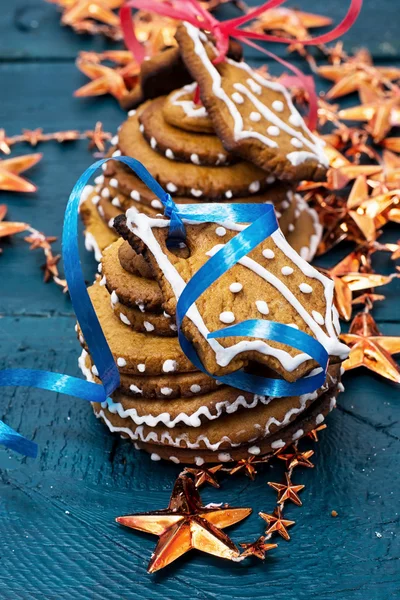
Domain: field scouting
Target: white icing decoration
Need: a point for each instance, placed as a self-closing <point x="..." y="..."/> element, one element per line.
<point x="195" y="159"/>
<point x="148" y="326"/>
<point x="254" y="450"/>
<point x="195" y="389"/>
<point x="262" y="307"/>
<point x="291" y="227"/>
<point x="254" y="187"/>
<point x="174" y="460"/>
<point x="124" y="319"/>
<point x="220" y="231"/>
<point x="273" y="130"/>
<point x="169" y="154"/>
<point x="228" y="194"/>
<point x="116" y="202"/>
<point x="121" y="362"/>
<point x="298" y="434"/>
<point x="278" y="444"/>
<point x="305" y="288"/>
<point x="255" y="87"/>
<point x="268" y="253"/>
<point x="114" y="298"/>
<point x="141" y="367"/>
<point x="278" y="105"/>
<point x="92" y="246"/>
<point x="116" y="153"/>
<point x="190" y="109"/>
<point x="155" y="456"/>
<point x="255" y="116"/>
<point x="224" y="456"/>
<point x="135" y="388"/>
<point x="166" y="391"/>
<point x="156" y="204"/>
<point x="169" y="366"/>
<point x="153" y="143"/>
<point x="131" y="113"/>
<point x="318" y="317"/>
<point x="141" y="128"/>
<point x="235" y="288"/>
<point x="95" y="371"/>
<point x="295" y="119"/>
<point x="227" y="317"/>
<point x="171" y="187"/>
<point x="199" y="461"/>
<point x="238" y="98"/>
<point x="296" y="143"/>
<point x="135" y="195"/>
<point x="320" y="418"/>
<point x="196" y="193"/>
<point x="95" y="199"/>
<point x="99" y="179"/>
<point x="286" y="270"/>
<point x="105" y="193"/>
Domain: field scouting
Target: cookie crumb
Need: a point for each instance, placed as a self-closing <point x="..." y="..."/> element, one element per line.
<point x="334" y="513"/>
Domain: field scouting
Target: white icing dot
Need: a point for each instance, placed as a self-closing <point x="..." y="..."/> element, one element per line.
<point x="111" y="223"/>
<point x="295" y="119"/>
<point x="278" y="105"/>
<point x="224" y="456"/>
<point x="221" y="231"/>
<point x="169" y="366"/>
<point x="114" y="298"/>
<point x="254" y="187"/>
<point x="105" y="193"/>
<point x="141" y="128"/>
<point x="104" y="167"/>
<point x="273" y="130"/>
<point x="173" y="327"/>
<point x="332" y="403"/>
<point x="121" y="362"/>
<point x="254" y="450"/>
<point x="103" y="280"/>
<point x="238" y="98"/>
<point x="340" y="387"/>
<point x="221" y="158"/>
<point x="196" y="193"/>
<point x="199" y="461"/>
<point x="153" y="142"/>
<point x="228" y="194"/>
<point x="298" y="434"/>
<point x="320" y="418"/>
<point x="255" y="116"/>
<point x="235" y="287"/>
<point x="305" y="288"/>
<point x="169" y="154"/>
<point x="148" y="326"/>
<point x="296" y="143"/>
<point x="131" y="113"/>
<point x="116" y="153"/>
<point x="124" y="319"/>
<point x="166" y="391"/>
<point x="286" y="270"/>
<point x="171" y="187"/>
<point x="156" y="203"/>
<point x="267" y="253"/>
<point x="100" y="267"/>
<point x="116" y="202"/>
<point x="291" y="227"/>
<point x="135" y="195"/>
<point x="262" y="307"/>
<point x="95" y="199"/>
<point x="174" y="460"/>
<point x="95" y="371"/>
<point x="278" y="444"/>
<point x="285" y="204"/>
<point x="114" y="140"/>
<point x="141" y="367"/>
<point x="227" y="316"/>
<point x="134" y="388"/>
<point x="318" y="317"/>
<point x="254" y="86"/>
<point x="270" y="179"/>
<point x="155" y="456"/>
<point x="195" y="389"/>
<point x="195" y="159"/>
<point x="99" y="180"/>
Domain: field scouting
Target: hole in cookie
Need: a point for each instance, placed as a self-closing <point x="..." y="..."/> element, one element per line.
<point x="179" y="249"/>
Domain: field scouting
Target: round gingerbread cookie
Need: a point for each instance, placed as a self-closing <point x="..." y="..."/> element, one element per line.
<point x="177" y="144"/>
<point x="180" y="110"/>
<point x="133" y="262"/>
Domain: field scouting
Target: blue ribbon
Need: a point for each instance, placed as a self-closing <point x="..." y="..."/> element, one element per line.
<point x="263" y="223"/>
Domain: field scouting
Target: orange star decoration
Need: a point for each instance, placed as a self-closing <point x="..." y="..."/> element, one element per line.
<point x="389" y="177"/>
<point x="204" y="475"/>
<point x="286" y="21"/>
<point x="313" y="434"/>
<point x="297" y="459"/>
<point x="8" y="228"/>
<point x="187" y="524"/>
<point x="97" y="137"/>
<point x="91" y="16"/>
<point x="347" y="279"/>
<point x="247" y="465"/>
<point x="11" y="168"/>
<point x="104" y="80"/>
<point x="382" y="111"/>
<point x="370" y="349"/>
<point x="259" y="548"/>
<point x="287" y="491"/>
<point x="277" y="523"/>
<point x="357" y="71"/>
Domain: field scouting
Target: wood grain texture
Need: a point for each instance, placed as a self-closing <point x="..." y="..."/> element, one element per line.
<point x="57" y="512"/>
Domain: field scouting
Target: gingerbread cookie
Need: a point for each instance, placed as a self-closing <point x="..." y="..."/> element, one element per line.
<point x="275" y="283"/>
<point x="180" y="110"/>
<point x="133" y="262"/>
<point x="254" y="117"/>
<point x="177" y="144"/>
<point x="97" y="233"/>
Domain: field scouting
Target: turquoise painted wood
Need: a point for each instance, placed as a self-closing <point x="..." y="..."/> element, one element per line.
<point x="59" y="538"/>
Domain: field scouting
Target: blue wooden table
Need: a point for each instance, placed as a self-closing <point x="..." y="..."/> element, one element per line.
<point x="59" y="538"/>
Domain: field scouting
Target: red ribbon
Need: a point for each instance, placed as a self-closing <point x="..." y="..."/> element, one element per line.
<point x="192" y="12"/>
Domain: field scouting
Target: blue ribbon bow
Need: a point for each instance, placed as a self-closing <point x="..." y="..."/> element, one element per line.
<point x="262" y="223"/>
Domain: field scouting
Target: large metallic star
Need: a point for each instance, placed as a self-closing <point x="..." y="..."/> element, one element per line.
<point x="10" y="169"/>
<point x="187" y="524"/>
<point x="370" y="349"/>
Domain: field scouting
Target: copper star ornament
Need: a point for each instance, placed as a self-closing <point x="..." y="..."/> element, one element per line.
<point x="204" y="475"/>
<point x="370" y="349"/>
<point x="313" y="434"/>
<point x="8" y="228"/>
<point x="259" y="548"/>
<point x="100" y="10"/>
<point x="248" y="465"/>
<point x="10" y="170"/>
<point x="105" y="80"/>
<point x="287" y="491"/>
<point x="297" y="459"/>
<point x="187" y="524"/>
<point x="277" y="523"/>
<point x="354" y="73"/>
<point x="97" y="137"/>
<point x="291" y="22"/>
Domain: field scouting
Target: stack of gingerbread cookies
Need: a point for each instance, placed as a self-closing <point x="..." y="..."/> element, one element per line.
<point x="245" y="142"/>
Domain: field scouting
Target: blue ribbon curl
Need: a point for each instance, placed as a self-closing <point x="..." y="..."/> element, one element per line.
<point x="262" y="223"/>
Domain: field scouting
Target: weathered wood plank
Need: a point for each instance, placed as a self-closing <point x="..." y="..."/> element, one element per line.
<point x="58" y="511"/>
<point x="376" y="28"/>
